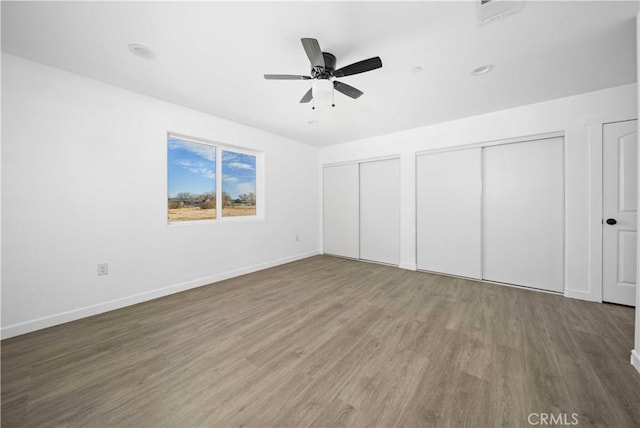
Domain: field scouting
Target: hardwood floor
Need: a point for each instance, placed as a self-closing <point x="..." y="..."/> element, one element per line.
<point x="330" y="342"/>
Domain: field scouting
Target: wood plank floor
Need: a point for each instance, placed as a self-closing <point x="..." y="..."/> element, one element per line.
<point x="329" y="342"/>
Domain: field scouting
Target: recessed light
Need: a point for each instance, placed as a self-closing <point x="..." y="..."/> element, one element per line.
<point x="482" y="70"/>
<point x="416" y="70"/>
<point x="141" y="51"/>
<point x="312" y="122"/>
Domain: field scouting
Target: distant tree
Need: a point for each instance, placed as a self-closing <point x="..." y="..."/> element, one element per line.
<point x="226" y="199"/>
<point x="208" y="204"/>
<point x="185" y="196"/>
<point x="205" y="200"/>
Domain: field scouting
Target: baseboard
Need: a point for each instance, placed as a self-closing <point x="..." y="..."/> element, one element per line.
<point x="581" y="295"/>
<point x="87" y="311"/>
<point x="635" y="359"/>
<point x="408" y="266"/>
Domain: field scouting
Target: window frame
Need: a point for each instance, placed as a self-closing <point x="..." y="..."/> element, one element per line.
<point x="259" y="215"/>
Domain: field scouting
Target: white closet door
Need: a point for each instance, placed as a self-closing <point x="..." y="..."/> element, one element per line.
<point x="341" y="210"/>
<point x="449" y="212"/>
<point x="380" y="211"/>
<point x="523" y="232"/>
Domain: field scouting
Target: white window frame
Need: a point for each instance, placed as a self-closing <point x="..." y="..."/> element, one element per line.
<point x="260" y="199"/>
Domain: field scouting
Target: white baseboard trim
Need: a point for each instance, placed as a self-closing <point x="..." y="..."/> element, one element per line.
<point x="87" y="311"/>
<point x="581" y="295"/>
<point x="635" y="359"/>
<point x="408" y="266"/>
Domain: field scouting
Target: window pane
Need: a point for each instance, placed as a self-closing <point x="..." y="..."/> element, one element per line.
<point x="192" y="180"/>
<point x="238" y="184"/>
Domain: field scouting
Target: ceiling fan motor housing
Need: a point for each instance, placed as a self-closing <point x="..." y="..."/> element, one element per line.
<point x="323" y="72"/>
<point x="329" y="67"/>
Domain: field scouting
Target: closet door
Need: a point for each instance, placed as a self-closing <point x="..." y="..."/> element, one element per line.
<point x="523" y="234"/>
<point x="380" y="211"/>
<point x="341" y="210"/>
<point x="449" y="212"/>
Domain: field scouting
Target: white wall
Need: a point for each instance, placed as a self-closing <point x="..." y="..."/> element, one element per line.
<point x="635" y="353"/>
<point x="579" y="117"/>
<point x="0" y="177"/>
<point x="84" y="181"/>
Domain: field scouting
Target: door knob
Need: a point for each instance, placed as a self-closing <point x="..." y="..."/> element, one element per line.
<point x="611" y="221"/>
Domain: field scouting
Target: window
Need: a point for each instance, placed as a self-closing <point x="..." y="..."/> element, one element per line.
<point x="198" y="172"/>
<point x="238" y="184"/>
<point x="192" y="180"/>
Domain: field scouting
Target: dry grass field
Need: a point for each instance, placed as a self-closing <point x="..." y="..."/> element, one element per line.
<point x="196" y="213"/>
<point x="238" y="211"/>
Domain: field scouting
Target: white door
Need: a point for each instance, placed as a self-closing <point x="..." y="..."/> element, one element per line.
<point x="523" y="233"/>
<point x="380" y="211"/>
<point x="341" y="210"/>
<point x="449" y="212"/>
<point x="619" y="211"/>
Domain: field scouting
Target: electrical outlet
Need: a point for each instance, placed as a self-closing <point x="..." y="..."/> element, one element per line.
<point x="103" y="269"/>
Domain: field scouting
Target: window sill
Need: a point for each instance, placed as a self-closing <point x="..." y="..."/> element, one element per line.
<point x="234" y="219"/>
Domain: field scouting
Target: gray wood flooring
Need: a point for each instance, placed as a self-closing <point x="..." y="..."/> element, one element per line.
<point x="329" y="342"/>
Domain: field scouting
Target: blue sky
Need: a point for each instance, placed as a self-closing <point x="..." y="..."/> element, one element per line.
<point x="238" y="173"/>
<point x="192" y="168"/>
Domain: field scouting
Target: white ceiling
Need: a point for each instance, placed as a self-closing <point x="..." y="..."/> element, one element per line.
<point x="211" y="56"/>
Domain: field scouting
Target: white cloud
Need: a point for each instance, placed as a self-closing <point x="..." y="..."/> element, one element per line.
<point x="228" y="156"/>
<point x="230" y="179"/>
<point x="203" y="150"/>
<point x="239" y="165"/>
<point x="189" y="164"/>
<point x="199" y="168"/>
<point x="175" y="144"/>
<point x="245" y="188"/>
<point x="205" y="172"/>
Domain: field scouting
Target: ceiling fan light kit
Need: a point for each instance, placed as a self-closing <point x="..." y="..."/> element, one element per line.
<point x="322" y="89"/>
<point x="323" y="74"/>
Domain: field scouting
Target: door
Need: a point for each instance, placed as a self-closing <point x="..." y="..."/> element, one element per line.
<point x="380" y="211"/>
<point x="523" y="233"/>
<point x="619" y="211"/>
<point x="341" y="210"/>
<point x="449" y="212"/>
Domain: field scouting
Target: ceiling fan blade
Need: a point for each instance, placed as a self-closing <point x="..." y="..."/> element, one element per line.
<point x="312" y="48"/>
<point x="348" y="90"/>
<point x="359" y="67"/>
<point x="285" y="77"/>
<point x="307" y="97"/>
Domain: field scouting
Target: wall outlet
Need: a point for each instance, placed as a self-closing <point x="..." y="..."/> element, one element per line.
<point x="103" y="269"/>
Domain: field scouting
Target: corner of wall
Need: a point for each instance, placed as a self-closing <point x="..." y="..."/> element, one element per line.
<point x="635" y="353"/>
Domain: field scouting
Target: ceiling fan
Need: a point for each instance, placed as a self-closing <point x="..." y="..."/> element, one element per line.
<point x="323" y="72"/>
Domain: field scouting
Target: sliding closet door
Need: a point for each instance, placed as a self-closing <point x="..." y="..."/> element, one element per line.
<point x="380" y="211"/>
<point x="523" y="232"/>
<point x="341" y="210"/>
<point x="449" y="212"/>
